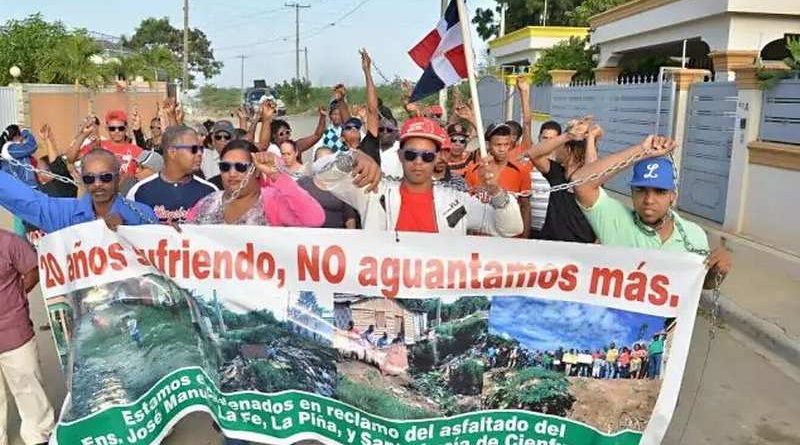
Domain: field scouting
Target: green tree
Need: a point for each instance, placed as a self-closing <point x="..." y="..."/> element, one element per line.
<point x="222" y="99"/>
<point x="71" y="61"/>
<point x="521" y="13"/>
<point x="569" y="54"/>
<point x="153" y="63"/>
<point x="580" y="15"/>
<point x="153" y="32"/>
<point x="28" y="44"/>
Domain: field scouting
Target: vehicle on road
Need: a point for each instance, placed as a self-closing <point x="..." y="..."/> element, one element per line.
<point x="259" y="93"/>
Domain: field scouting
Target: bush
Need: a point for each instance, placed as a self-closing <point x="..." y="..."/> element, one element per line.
<point x="467" y="378"/>
<point x="378" y="402"/>
<point x="533" y="389"/>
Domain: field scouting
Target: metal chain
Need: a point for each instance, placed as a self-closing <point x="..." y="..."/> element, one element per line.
<point x="621" y="165"/>
<point x="34" y="170"/>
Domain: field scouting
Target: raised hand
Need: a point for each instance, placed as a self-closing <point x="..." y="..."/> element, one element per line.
<point x="89" y="125"/>
<point x="596" y="132"/>
<point x="136" y="120"/>
<point x="366" y="172"/>
<point x="267" y="110"/>
<point x="366" y="61"/>
<point x="488" y="172"/>
<point x="323" y="110"/>
<point x="268" y="164"/>
<point x="45" y="132"/>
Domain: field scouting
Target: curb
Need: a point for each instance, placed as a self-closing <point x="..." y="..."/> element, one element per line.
<point x="763" y="332"/>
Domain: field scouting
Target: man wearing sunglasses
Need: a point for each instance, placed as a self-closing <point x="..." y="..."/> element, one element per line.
<point x="100" y="177"/>
<point x="117" y="142"/>
<point x="220" y="134"/>
<point x="458" y="158"/>
<point x="174" y="191"/>
<point x="415" y="204"/>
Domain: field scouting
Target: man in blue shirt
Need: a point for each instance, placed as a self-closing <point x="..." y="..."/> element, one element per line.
<point x="100" y="176"/>
<point x="175" y="190"/>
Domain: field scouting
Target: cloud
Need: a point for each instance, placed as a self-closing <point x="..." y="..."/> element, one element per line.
<point x="540" y="324"/>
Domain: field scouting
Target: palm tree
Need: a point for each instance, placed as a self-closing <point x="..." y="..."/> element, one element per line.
<point x="74" y="60"/>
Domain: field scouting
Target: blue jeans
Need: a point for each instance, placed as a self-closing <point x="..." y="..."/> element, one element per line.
<point x="654" y="366"/>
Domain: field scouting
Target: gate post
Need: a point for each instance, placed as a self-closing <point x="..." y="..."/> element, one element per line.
<point x="748" y="122"/>
<point x="561" y="78"/>
<point x="683" y="79"/>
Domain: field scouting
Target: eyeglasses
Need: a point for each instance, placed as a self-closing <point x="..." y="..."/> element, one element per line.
<point x="240" y="167"/>
<point x="386" y="130"/>
<point x="105" y="178"/>
<point x="411" y="155"/>
<point x="193" y="148"/>
<point x="222" y="136"/>
<point x="351" y="127"/>
<point x="458" y="140"/>
<point x="113" y="128"/>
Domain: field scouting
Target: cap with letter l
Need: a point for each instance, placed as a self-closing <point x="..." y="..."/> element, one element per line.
<point x="655" y="173"/>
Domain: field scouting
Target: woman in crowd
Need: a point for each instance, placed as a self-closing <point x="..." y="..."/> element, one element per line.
<point x="256" y="192"/>
<point x="338" y="214"/>
<point x="291" y="163"/>
<point x="624" y="363"/>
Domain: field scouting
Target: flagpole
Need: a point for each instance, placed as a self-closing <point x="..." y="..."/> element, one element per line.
<point x="466" y="36"/>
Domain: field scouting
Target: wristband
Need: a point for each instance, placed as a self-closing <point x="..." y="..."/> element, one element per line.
<point x="500" y="200"/>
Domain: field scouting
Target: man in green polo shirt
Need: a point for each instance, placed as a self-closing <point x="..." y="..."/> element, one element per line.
<point x="652" y="224"/>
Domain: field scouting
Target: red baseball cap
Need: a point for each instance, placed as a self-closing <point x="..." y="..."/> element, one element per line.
<point x="116" y="115"/>
<point x="423" y="127"/>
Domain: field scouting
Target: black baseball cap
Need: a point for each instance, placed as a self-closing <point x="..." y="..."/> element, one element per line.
<point x="497" y="129"/>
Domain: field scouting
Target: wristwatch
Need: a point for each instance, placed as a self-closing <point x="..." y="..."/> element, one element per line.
<point x="500" y="200"/>
<point x="345" y="161"/>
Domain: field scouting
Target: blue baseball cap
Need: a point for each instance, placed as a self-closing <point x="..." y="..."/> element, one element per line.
<point x="655" y="173"/>
<point x="352" y="122"/>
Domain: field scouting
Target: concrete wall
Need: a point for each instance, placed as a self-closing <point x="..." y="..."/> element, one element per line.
<point x="771" y="213"/>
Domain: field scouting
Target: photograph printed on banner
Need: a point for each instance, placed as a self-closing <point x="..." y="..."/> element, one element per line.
<point x="410" y="358"/>
<point x="587" y="363"/>
<point x="126" y="335"/>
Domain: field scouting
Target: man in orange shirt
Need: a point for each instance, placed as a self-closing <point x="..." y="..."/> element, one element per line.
<point x="513" y="176"/>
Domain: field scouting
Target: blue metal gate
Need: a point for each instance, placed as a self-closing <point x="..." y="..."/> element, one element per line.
<point x="706" y="152"/>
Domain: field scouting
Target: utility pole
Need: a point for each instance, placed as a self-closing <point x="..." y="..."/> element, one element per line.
<point x="297" y="7"/>
<point x="185" y="85"/>
<point x="305" y="50"/>
<point x="242" y="56"/>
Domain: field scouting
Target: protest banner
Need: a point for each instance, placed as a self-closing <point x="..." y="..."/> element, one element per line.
<point x="370" y="338"/>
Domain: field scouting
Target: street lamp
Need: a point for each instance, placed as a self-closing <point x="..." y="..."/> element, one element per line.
<point x="15" y="72"/>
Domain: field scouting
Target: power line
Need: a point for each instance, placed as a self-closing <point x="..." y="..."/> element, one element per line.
<point x="313" y="33"/>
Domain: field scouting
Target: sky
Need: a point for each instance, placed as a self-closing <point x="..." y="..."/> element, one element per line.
<point x="264" y="32"/>
<point x="547" y="325"/>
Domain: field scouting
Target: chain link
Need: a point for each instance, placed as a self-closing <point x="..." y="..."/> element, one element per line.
<point x="35" y="170"/>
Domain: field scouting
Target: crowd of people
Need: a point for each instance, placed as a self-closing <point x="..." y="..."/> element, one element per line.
<point x="367" y="170"/>
<point x="639" y="361"/>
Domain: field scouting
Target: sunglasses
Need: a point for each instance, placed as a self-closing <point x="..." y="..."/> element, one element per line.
<point x="120" y="128"/>
<point x="105" y="178"/>
<point x="155" y="128"/>
<point x="458" y="140"/>
<point x="351" y="127"/>
<point x="386" y="130"/>
<point x="411" y="155"/>
<point x="222" y="136"/>
<point x="285" y="133"/>
<point x="192" y="148"/>
<point x="240" y="167"/>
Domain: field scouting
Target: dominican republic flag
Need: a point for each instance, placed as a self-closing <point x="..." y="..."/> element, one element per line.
<point x="441" y="55"/>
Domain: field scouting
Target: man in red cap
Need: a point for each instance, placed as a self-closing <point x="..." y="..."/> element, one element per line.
<point x="117" y="142"/>
<point x="415" y="203"/>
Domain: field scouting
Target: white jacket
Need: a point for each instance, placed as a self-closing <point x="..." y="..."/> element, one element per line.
<point x="456" y="211"/>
